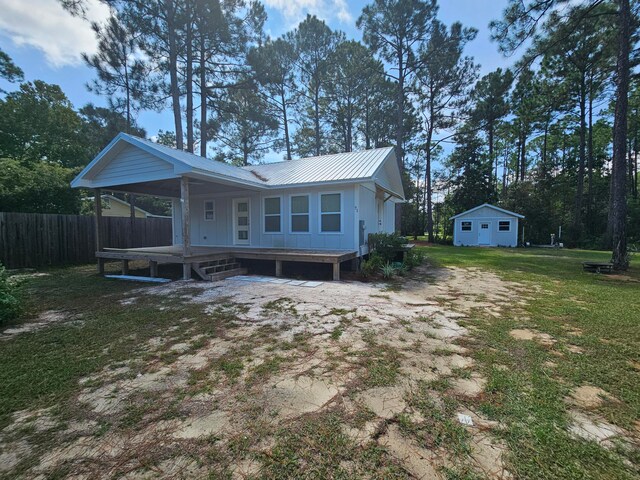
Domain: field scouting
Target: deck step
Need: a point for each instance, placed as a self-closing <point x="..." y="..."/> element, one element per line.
<point x="214" y="277"/>
<point x="218" y="262"/>
<point x="220" y="268"/>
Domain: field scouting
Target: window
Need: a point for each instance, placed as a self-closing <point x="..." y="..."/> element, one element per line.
<point x="300" y="214"/>
<point x="504" y="226"/>
<point x="466" y="226"/>
<point x="209" y="210"/>
<point x="330" y="214"/>
<point x="272" y="215"/>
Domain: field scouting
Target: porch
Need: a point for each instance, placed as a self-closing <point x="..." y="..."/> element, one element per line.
<point x="212" y="263"/>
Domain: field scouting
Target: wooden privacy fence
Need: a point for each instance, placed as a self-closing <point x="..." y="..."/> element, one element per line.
<point x="31" y="240"/>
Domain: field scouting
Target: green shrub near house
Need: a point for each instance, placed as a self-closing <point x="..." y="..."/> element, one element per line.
<point x="9" y="302"/>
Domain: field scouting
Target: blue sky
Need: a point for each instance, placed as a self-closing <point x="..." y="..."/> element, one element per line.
<point x="46" y="42"/>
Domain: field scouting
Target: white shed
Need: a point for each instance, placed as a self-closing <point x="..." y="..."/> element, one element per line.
<point x="486" y="225"/>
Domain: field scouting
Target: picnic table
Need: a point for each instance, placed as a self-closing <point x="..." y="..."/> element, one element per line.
<point x="597" y="267"/>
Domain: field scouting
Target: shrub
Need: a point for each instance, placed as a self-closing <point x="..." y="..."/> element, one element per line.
<point x="372" y="265"/>
<point x="9" y="304"/>
<point x="388" y="270"/>
<point x="413" y="259"/>
<point x="387" y="245"/>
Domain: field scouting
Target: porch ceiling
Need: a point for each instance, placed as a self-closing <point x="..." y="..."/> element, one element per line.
<point x="171" y="188"/>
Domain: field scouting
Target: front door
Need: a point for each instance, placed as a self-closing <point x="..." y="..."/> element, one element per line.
<point x="241" y="221"/>
<point x="484" y="233"/>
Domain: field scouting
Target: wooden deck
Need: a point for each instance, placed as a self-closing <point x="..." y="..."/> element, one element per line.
<point x="201" y="255"/>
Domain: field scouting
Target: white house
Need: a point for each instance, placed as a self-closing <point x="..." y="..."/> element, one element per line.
<point x="326" y="203"/>
<point x="486" y="225"/>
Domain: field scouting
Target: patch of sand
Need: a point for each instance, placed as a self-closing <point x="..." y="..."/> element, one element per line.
<point x="421" y="463"/>
<point x="588" y="396"/>
<point x="320" y="372"/>
<point x="527" y="334"/>
<point x="594" y="429"/>
<point x="292" y="397"/>
<point x="44" y="319"/>
<point x="215" y="423"/>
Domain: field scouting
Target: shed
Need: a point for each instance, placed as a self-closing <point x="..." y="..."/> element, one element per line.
<point x="486" y="226"/>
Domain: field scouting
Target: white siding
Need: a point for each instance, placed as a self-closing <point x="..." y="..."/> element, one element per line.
<point x="220" y="230"/>
<point x="367" y="212"/>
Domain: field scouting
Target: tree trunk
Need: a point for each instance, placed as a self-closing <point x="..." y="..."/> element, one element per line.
<point x="203" y="97"/>
<point x="427" y="175"/>
<point x="173" y="71"/>
<point x="577" y="216"/>
<point x="400" y="113"/>
<point x="285" y="122"/>
<point x="618" y="205"/>
<point x="189" y="79"/>
<point x="316" y="118"/>
<point x="590" y="160"/>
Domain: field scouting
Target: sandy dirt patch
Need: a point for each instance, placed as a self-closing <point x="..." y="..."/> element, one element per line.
<point x="527" y="334"/>
<point x="288" y="353"/>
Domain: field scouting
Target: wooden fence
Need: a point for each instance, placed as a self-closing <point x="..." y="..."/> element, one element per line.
<point x="31" y="240"/>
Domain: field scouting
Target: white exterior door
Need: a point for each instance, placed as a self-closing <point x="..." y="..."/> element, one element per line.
<point x="484" y="233"/>
<point x="241" y="221"/>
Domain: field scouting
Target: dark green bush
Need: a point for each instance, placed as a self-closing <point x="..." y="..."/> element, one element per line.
<point x="372" y="265"/>
<point x="9" y="304"/>
<point x="413" y="258"/>
<point x="387" y="245"/>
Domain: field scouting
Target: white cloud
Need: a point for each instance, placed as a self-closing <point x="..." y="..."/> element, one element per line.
<point x="46" y="26"/>
<point x="295" y="10"/>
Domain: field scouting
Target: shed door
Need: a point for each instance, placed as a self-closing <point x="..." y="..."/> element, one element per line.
<point x="484" y="233"/>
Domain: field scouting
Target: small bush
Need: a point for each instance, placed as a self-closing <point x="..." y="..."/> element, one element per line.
<point x="372" y="265"/>
<point x="388" y="271"/>
<point x="9" y="304"/>
<point x="413" y="259"/>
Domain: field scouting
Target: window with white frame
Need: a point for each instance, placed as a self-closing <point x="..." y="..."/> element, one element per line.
<point x="465" y="226"/>
<point x="209" y="210"/>
<point x="504" y="225"/>
<point x="300" y="213"/>
<point x="330" y="212"/>
<point x="272" y="215"/>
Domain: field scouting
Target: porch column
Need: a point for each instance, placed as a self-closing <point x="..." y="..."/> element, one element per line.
<point x="132" y="220"/>
<point x="98" y="227"/>
<point x="186" y="226"/>
<point x="278" y="268"/>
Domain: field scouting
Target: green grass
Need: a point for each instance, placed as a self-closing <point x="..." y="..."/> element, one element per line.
<point x="42" y="368"/>
<point x="526" y="396"/>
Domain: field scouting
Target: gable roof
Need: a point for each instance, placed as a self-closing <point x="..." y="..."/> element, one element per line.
<point x="488" y="205"/>
<point x="336" y="168"/>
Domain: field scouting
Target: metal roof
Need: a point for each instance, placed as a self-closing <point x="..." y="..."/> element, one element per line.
<point x="335" y="168"/>
<point x="326" y="168"/>
<point x="502" y="210"/>
<point x="198" y="162"/>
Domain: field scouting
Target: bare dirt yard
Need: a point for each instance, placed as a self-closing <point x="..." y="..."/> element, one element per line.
<point x="240" y="379"/>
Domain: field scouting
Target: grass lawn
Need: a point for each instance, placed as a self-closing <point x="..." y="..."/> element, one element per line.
<point x="110" y="334"/>
<point x="600" y="314"/>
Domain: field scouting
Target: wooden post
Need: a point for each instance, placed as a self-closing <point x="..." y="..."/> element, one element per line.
<point x="132" y="218"/>
<point x="336" y="271"/>
<point x="186" y="226"/>
<point x="125" y="267"/>
<point x="98" y="226"/>
<point x="153" y="268"/>
<point x="278" y="268"/>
